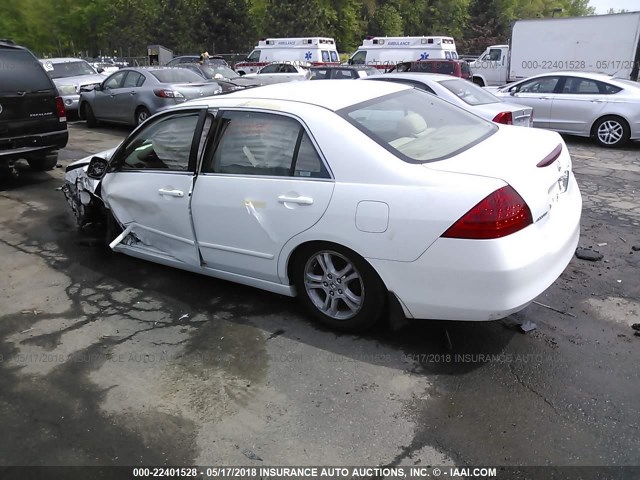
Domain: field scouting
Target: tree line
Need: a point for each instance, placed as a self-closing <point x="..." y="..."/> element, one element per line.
<point x="127" y="27"/>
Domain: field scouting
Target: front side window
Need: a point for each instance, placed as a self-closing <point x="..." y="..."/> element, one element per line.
<point x="115" y="80"/>
<point x="273" y="68"/>
<point x="255" y="143"/>
<point x="495" y="54"/>
<point x="539" y="85"/>
<point x="254" y="56"/>
<point x="418" y="127"/>
<point x="359" y="58"/>
<point x="163" y="145"/>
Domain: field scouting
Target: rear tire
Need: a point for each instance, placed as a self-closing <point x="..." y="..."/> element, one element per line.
<point x="87" y="113"/>
<point x="142" y="113"/>
<point x="44" y="162"/>
<point x="611" y="131"/>
<point x="338" y="287"/>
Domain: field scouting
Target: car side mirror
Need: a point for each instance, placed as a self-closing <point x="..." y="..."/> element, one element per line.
<point x="100" y="70"/>
<point x="241" y="74"/>
<point x="97" y="168"/>
<point x="350" y="61"/>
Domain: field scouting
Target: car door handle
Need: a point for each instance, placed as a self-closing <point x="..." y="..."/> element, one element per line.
<point x="171" y="193"/>
<point x="596" y="100"/>
<point x="546" y="98"/>
<point x="298" y="200"/>
<point x="133" y="93"/>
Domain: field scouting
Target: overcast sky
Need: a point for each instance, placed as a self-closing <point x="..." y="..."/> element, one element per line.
<point x="602" y="6"/>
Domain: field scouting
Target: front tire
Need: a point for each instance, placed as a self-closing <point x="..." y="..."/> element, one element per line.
<point x="338" y="287"/>
<point x="611" y="131"/>
<point x="43" y="162"/>
<point x="89" y="116"/>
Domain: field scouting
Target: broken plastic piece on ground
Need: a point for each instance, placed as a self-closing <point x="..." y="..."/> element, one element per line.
<point x="184" y="317"/>
<point x="588" y="254"/>
<point x="527" y="326"/>
<point x="250" y="455"/>
<point x="603" y="244"/>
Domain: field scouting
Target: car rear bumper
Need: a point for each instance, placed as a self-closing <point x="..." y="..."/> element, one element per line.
<point x="23" y="146"/>
<point x="487" y="279"/>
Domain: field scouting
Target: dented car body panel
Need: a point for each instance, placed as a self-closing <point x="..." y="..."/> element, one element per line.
<point x="235" y="187"/>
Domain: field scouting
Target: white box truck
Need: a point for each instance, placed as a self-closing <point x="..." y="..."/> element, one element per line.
<point x="597" y="43"/>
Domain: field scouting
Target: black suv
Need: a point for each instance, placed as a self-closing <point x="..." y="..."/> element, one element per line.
<point x="33" y="124"/>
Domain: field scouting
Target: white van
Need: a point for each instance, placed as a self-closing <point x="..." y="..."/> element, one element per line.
<point x="313" y="50"/>
<point x="385" y="52"/>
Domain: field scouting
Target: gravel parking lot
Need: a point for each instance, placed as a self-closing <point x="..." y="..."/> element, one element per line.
<point x="107" y="360"/>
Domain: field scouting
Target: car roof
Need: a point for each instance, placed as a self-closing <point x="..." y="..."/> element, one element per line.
<point x="348" y="67"/>
<point x="573" y="73"/>
<point x="331" y="94"/>
<point x="419" y="76"/>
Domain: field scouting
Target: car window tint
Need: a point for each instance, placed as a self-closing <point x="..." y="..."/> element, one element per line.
<point x="308" y="162"/>
<point x="115" y="80"/>
<point x="539" y="85"/>
<point x="608" y="88"/>
<point x="131" y="80"/>
<point x="344" y="74"/>
<point x="273" y="68"/>
<point x="255" y="144"/>
<point x="320" y="74"/>
<point x="163" y="145"/>
<point x="417" y="126"/>
<point x="20" y="71"/>
<point x="580" y="86"/>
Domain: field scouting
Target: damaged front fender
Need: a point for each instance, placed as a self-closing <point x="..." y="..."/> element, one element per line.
<point x="82" y="192"/>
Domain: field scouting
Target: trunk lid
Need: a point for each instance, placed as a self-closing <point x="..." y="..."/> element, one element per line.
<point x="196" y="90"/>
<point x="513" y="155"/>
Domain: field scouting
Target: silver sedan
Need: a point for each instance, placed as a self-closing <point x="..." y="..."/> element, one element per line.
<point x="465" y="94"/>
<point x="131" y="95"/>
<point x="70" y="75"/>
<point x="585" y="104"/>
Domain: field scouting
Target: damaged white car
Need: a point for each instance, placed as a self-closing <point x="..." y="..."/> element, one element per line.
<point x="356" y="197"/>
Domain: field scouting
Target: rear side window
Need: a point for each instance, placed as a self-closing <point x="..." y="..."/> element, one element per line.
<point x="20" y="72"/>
<point x="418" y="127"/>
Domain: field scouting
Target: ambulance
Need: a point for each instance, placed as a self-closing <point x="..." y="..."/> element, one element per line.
<point x="308" y="50"/>
<point x="385" y="52"/>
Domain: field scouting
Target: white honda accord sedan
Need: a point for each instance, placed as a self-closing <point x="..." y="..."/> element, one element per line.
<point x="354" y="196"/>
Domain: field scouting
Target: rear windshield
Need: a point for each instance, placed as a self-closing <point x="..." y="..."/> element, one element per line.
<point x="218" y="71"/>
<point x="68" y="69"/>
<point x="469" y="92"/>
<point x="417" y="126"/>
<point x="20" y="72"/>
<point x="176" y="75"/>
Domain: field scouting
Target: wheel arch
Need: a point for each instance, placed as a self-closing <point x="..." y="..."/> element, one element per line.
<point x="292" y="257"/>
<point x="592" y="130"/>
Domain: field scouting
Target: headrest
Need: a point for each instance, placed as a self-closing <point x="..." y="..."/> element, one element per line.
<point x="411" y="126"/>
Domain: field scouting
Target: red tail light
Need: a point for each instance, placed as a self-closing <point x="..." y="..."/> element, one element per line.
<point x="500" y="214"/>
<point x="504" y="117"/>
<point x="159" y="92"/>
<point x="62" y="114"/>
